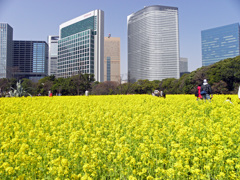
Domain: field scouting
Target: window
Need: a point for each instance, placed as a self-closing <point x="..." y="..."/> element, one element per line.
<point x="108" y="68"/>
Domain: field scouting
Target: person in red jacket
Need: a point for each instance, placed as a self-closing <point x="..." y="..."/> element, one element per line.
<point x="50" y="93"/>
<point x="199" y="92"/>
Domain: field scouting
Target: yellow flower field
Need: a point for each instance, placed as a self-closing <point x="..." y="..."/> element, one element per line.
<point x="119" y="137"/>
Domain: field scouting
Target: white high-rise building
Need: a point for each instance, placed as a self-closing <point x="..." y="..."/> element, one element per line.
<point x="153" y="43"/>
<point x="52" y="54"/>
<point x="81" y="46"/>
<point x="6" y="43"/>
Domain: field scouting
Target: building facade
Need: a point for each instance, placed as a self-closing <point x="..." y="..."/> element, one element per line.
<point x="81" y="46"/>
<point x="112" y="59"/>
<point x="30" y="59"/>
<point x="6" y="40"/>
<point x="220" y="43"/>
<point x="153" y="43"/>
<point x="52" y="54"/>
<point x="183" y="65"/>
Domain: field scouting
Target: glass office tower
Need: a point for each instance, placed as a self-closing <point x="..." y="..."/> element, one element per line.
<point x="153" y="43"/>
<point x="52" y="54"/>
<point x="30" y="59"/>
<point x="220" y="43"/>
<point x="81" y="46"/>
<point x="6" y="39"/>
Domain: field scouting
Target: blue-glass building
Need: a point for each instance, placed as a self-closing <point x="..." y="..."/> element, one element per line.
<point x="81" y="46"/>
<point x="6" y="39"/>
<point x="30" y="59"/>
<point x="220" y="43"/>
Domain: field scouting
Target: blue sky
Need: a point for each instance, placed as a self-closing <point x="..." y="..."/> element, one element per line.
<point x="36" y="19"/>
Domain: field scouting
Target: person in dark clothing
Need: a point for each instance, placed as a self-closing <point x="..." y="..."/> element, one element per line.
<point x="162" y="94"/>
<point x="206" y="90"/>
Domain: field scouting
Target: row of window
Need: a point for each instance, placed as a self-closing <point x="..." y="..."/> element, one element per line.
<point x="72" y="52"/>
<point x="75" y="48"/>
<point x="73" y="63"/>
<point x="84" y="25"/>
<point x="76" y="44"/>
<point x="74" y="40"/>
<point x="70" y="73"/>
<point x="77" y="59"/>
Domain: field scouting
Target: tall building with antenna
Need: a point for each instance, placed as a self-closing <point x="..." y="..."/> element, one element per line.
<point x="112" y="58"/>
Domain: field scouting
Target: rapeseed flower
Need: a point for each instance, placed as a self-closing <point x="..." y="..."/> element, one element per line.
<point x="119" y="137"/>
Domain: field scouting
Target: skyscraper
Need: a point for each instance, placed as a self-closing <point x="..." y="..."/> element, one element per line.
<point x="183" y="65"/>
<point x="153" y="43"/>
<point x="111" y="58"/>
<point x="220" y="43"/>
<point x="52" y="54"/>
<point x="30" y="59"/>
<point x="81" y="46"/>
<point x="6" y="39"/>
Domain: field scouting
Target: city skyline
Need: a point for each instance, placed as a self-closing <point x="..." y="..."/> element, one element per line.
<point x="193" y="18"/>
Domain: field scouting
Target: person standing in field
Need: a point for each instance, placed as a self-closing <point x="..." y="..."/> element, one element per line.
<point x="50" y="94"/>
<point x="198" y="92"/>
<point x="206" y="90"/>
<point x="162" y="94"/>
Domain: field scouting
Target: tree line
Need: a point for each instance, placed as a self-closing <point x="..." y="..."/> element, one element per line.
<point x="223" y="76"/>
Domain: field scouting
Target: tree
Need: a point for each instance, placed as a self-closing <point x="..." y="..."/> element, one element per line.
<point x="12" y="82"/>
<point x="130" y="86"/>
<point x="82" y="82"/>
<point x="105" y="88"/>
<point x="169" y="85"/>
<point x="119" y="88"/>
<point x="226" y="70"/>
<point x="64" y="86"/>
<point x="220" y="87"/>
<point x="29" y="86"/>
<point x="58" y="85"/>
<point x="45" y="84"/>
<point x="4" y="84"/>
<point x="146" y="86"/>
